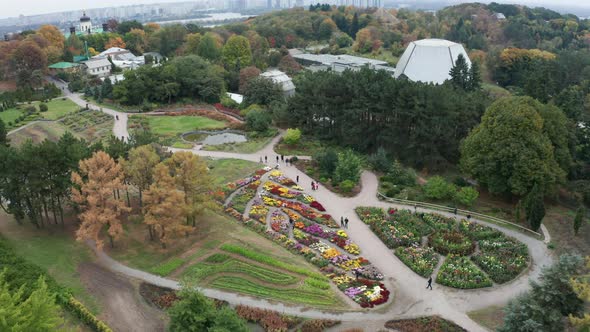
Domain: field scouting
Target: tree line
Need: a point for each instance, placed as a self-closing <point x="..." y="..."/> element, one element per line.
<point x="421" y="124"/>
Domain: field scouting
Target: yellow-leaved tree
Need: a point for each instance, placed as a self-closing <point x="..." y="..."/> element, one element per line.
<point x="140" y="167"/>
<point x="193" y="179"/>
<point x="94" y="191"/>
<point x="581" y="286"/>
<point x="165" y="209"/>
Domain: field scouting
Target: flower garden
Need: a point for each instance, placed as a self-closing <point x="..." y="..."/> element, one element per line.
<point x="477" y="256"/>
<point x="298" y="222"/>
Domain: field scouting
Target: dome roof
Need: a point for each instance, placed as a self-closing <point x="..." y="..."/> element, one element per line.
<point x="429" y="60"/>
<point x="84" y="18"/>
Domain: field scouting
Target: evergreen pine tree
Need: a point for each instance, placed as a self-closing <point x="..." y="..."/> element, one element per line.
<point x="3" y="134"/>
<point x="535" y="208"/>
<point x="354" y="27"/>
<point x="474" y="77"/>
<point x="460" y="73"/>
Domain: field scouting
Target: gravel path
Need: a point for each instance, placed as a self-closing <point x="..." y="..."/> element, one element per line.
<point x="411" y="298"/>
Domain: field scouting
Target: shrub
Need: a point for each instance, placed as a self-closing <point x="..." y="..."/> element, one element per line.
<point x="379" y="160"/>
<point x="258" y="120"/>
<point x="346" y="186"/>
<point x="348" y="167"/>
<point x="466" y="196"/>
<point x="292" y="136"/>
<point x="438" y="188"/>
<point x="253" y="107"/>
<point x="327" y="161"/>
<point x="80" y="311"/>
<point x="30" y="110"/>
<point x="401" y="176"/>
<point x="43" y="107"/>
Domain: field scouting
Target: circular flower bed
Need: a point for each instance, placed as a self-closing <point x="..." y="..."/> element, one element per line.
<point x="451" y="242"/>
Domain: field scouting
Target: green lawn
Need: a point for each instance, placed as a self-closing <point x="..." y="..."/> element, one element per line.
<point x="175" y="125"/>
<point x="305" y="147"/>
<point x="58" y="108"/>
<point x="10" y="115"/>
<point x="251" y="146"/>
<point x="53" y="249"/>
<point x="227" y="170"/>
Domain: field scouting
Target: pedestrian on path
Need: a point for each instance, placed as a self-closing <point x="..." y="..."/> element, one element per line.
<point x="277" y="158"/>
<point x="282" y="158"/>
<point x="468" y="217"/>
<point x="341" y="221"/>
<point x="265" y="159"/>
<point x="346" y="223"/>
<point x="429" y="283"/>
<point x="415" y="208"/>
<point x="312" y="185"/>
<point x="455" y="211"/>
<point x="297" y="178"/>
<point x="277" y="166"/>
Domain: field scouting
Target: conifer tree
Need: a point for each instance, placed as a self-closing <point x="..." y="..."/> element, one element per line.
<point x="164" y="207"/>
<point x="94" y="192"/>
<point x="535" y="208"/>
<point x="140" y="167"/>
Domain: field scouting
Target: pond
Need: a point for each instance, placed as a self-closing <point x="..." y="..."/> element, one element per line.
<point x="215" y="137"/>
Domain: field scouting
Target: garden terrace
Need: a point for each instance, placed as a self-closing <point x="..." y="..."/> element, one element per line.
<point x="476" y="255"/>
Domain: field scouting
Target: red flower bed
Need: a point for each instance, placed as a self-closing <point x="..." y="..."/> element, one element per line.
<point x="316" y="205"/>
<point x="384" y="294"/>
<point x="227" y="109"/>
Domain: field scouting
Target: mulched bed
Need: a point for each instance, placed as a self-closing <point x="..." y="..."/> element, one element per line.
<point x="424" y="324"/>
<point x="160" y="297"/>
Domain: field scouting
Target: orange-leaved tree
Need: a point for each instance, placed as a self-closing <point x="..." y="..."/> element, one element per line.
<point x="192" y="177"/>
<point x="165" y="208"/>
<point x="140" y="167"/>
<point x="94" y="191"/>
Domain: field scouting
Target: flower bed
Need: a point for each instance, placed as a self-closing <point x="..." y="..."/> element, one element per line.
<point x="451" y="242"/>
<point x="461" y="272"/>
<point x="228" y="188"/>
<point x="370" y="215"/>
<point x="502" y="258"/>
<point x="340" y="238"/>
<point x="367" y="293"/>
<point x="258" y="211"/>
<point x="478" y="232"/>
<point x="420" y="324"/>
<point x="279" y="222"/>
<point x="420" y="260"/>
<point x="278" y="177"/>
<point x="304" y="210"/>
<point x="439" y="222"/>
<point x="241" y="199"/>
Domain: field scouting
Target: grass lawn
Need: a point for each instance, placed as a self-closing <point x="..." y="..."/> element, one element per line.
<point x="54" y="249"/>
<point x="227" y="170"/>
<point x="213" y="230"/>
<point x="38" y="132"/>
<point x="10" y="115"/>
<point x="251" y="146"/>
<point x="169" y="126"/>
<point x="113" y="106"/>
<point x="58" y="108"/>
<point x="305" y="147"/>
<point x="491" y="317"/>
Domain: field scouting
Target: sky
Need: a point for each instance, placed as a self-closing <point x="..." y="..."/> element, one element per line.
<point x="11" y="8"/>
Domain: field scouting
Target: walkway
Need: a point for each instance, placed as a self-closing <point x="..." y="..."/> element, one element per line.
<point x="411" y="298"/>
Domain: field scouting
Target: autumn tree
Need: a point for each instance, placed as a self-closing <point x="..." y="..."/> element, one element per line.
<point x="94" y="193"/>
<point x="136" y="40"/>
<point x="115" y="42"/>
<point x="164" y="210"/>
<point x="236" y="52"/>
<point x="27" y="59"/>
<point x="289" y="65"/>
<point x="210" y="46"/>
<point x="191" y="43"/>
<point x="140" y="167"/>
<point x="246" y="75"/>
<point x="192" y="178"/>
<point x="56" y="42"/>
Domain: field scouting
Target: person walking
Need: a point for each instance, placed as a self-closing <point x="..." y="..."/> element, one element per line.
<point x="265" y="159"/>
<point x="277" y="158"/>
<point x="282" y="158"/>
<point x="297" y="178"/>
<point x="312" y="185"/>
<point x="341" y="221"/>
<point x="346" y="223"/>
<point x="415" y="208"/>
<point x="429" y="283"/>
<point x="468" y="217"/>
<point x="455" y="211"/>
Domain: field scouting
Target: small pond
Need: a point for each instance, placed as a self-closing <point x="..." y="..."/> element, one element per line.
<point x="215" y="137"/>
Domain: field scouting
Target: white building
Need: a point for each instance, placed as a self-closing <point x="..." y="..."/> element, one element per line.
<point x="429" y="60"/>
<point x="85" y="24"/>
<point x="122" y="58"/>
<point x="282" y="80"/>
<point x="98" y="67"/>
<point x="339" y="63"/>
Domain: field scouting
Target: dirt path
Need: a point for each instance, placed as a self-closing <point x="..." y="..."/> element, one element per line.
<point x="123" y="307"/>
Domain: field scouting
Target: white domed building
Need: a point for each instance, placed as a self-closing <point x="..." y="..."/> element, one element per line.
<point x="429" y="60"/>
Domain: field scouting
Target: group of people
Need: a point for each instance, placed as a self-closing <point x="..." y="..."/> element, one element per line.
<point x="344" y="222"/>
<point x="314" y="185"/>
<point x="281" y="158"/>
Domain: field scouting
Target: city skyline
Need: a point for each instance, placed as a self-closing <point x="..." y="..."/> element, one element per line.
<point x="38" y="7"/>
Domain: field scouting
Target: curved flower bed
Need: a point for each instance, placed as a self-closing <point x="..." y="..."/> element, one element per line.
<point x="461" y="272"/>
<point x="365" y="292"/>
<point x="241" y="199"/>
<point x="228" y="188"/>
<point x="304" y="210"/>
<point x="258" y="212"/>
<point x="420" y="260"/>
<point x="279" y="222"/>
<point x="451" y="242"/>
<point x="502" y="258"/>
<point x="278" y="177"/>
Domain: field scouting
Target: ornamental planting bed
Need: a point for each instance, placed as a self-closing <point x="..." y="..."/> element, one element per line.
<point x="313" y="236"/>
<point x="477" y="255"/>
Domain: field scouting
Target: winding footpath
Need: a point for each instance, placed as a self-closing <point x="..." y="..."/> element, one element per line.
<point x="410" y="296"/>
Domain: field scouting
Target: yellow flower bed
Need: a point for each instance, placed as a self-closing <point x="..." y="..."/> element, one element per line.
<point x="276" y="173"/>
<point x="294" y="216"/>
<point x="343" y="279"/>
<point x="270" y="201"/>
<point x="342" y="233"/>
<point x="350" y="264"/>
<point x="352" y="248"/>
<point x="331" y="253"/>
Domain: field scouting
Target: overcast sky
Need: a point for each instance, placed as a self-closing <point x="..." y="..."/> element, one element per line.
<point x="12" y="8"/>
